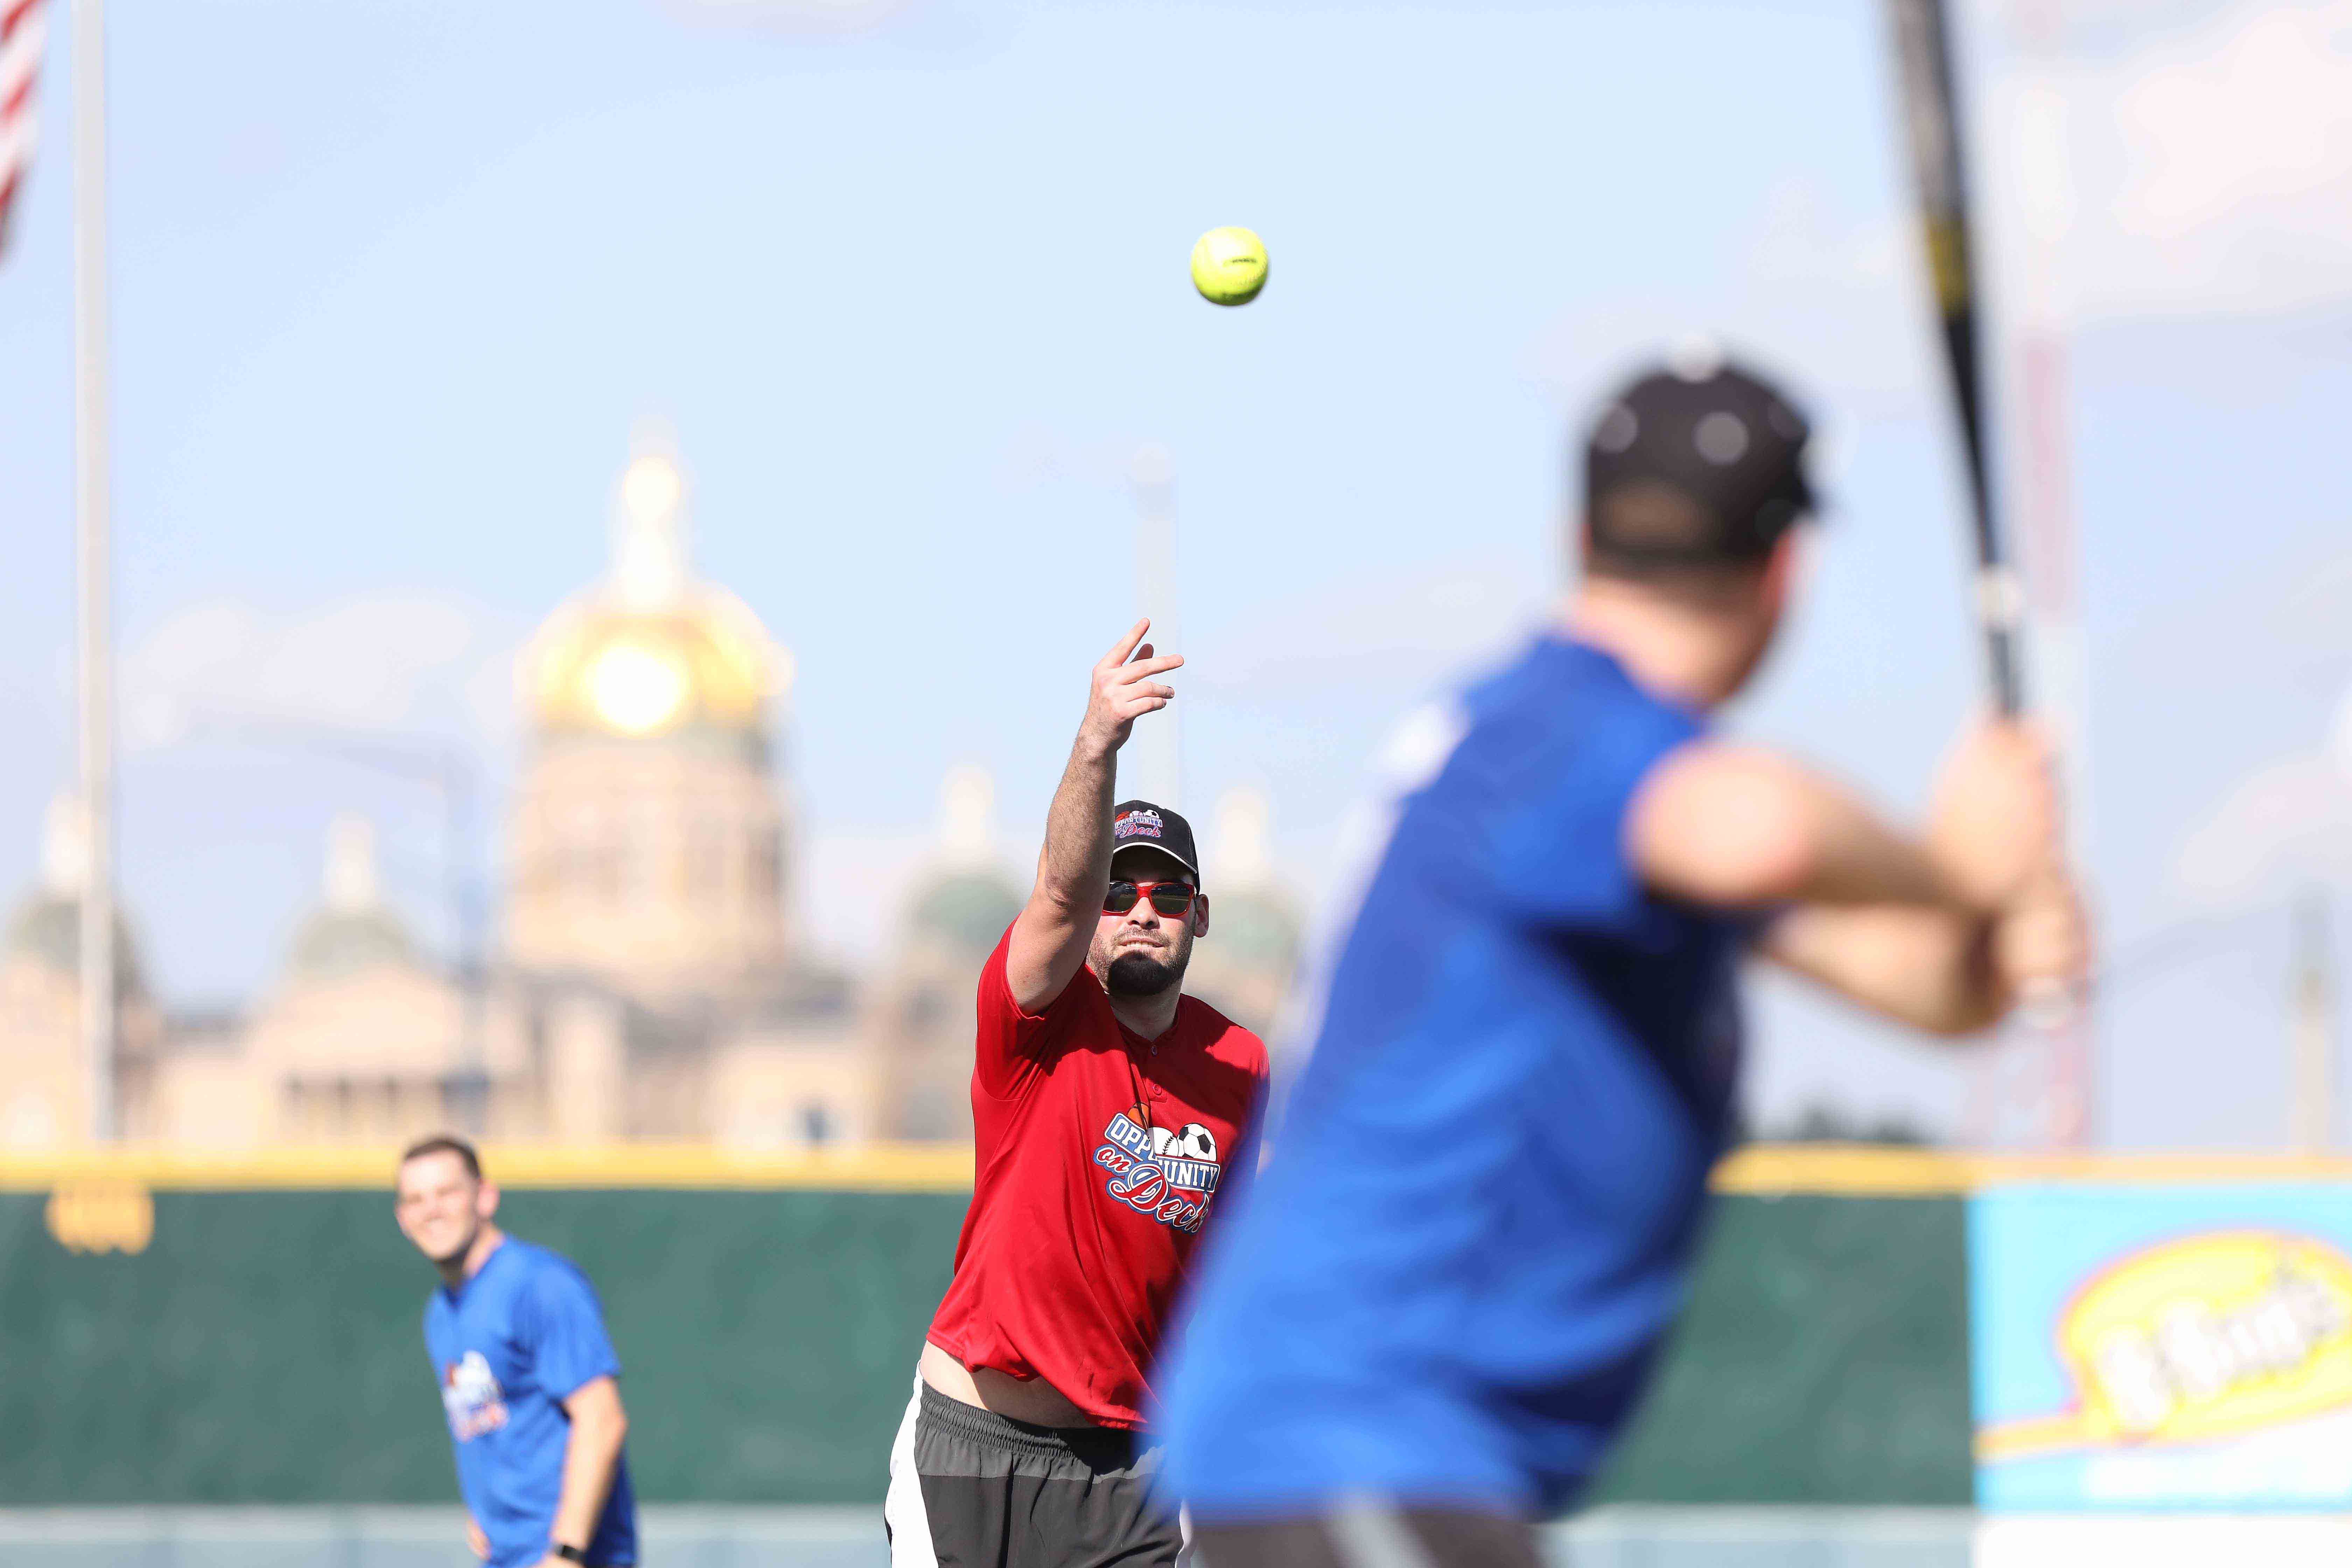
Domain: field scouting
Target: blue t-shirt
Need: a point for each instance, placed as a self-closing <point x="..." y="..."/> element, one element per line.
<point x="1478" y="1212"/>
<point x="507" y="1346"/>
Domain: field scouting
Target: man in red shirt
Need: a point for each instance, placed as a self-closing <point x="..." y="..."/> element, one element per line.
<point x="1110" y="1109"/>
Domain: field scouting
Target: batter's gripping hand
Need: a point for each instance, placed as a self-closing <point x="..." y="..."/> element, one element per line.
<point x="1994" y="829"/>
<point x="1124" y="689"/>
<point x="2041" y="945"/>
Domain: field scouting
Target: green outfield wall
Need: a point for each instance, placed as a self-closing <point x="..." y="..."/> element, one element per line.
<point x="266" y="1346"/>
<point x="1823" y="1359"/>
<point x="261" y="1344"/>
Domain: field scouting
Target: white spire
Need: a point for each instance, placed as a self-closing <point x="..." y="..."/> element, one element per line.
<point x="1152" y="468"/>
<point x="968" y="817"/>
<point x="1242" y="862"/>
<point x="65" y="846"/>
<point x="649" y="532"/>
<point x="350" y="879"/>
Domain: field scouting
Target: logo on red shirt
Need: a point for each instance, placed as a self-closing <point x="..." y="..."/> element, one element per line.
<point x="1167" y="1174"/>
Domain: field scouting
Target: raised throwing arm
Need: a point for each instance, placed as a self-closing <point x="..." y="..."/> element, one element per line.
<point x="1051" y="936"/>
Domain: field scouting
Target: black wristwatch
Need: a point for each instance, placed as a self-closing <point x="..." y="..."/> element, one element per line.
<point x="573" y="1553"/>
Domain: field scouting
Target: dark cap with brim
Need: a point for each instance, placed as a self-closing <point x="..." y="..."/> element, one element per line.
<point x="1139" y="825"/>
<point x="1703" y="461"/>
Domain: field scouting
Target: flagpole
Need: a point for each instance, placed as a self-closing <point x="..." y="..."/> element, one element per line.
<point x="96" y="662"/>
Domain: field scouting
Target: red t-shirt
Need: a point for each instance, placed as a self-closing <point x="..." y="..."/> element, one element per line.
<point x="1099" y="1156"/>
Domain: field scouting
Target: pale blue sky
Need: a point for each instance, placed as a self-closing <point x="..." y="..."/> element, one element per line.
<point x="393" y="283"/>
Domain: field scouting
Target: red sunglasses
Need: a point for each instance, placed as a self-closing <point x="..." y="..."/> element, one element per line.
<point x="1167" y="898"/>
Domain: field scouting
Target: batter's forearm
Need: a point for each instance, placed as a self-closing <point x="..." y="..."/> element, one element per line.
<point x="1860" y="861"/>
<point x="1733" y="826"/>
<point x="1932" y="969"/>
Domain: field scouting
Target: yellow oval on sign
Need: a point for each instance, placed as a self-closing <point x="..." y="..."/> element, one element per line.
<point x="2211" y="1335"/>
<point x="102" y="1217"/>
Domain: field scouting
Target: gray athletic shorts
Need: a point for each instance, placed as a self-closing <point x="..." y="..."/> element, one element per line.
<point x="970" y="1489"/>
<point x="1370" y="1532"/>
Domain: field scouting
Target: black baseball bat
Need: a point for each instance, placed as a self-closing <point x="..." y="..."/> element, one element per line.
<point x="1930" y="107"/>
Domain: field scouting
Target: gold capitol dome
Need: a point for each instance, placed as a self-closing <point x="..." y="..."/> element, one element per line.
<point x="649" y="651"/>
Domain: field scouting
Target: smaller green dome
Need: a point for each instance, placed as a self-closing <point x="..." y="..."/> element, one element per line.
<point x="1254" y="931"/>
<point x="968" y="909"/>
<point x="334" y="944"/>
<point x="47" y="927"/>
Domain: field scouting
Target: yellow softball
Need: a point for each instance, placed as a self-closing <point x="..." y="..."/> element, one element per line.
<point x="1229" y="266"/>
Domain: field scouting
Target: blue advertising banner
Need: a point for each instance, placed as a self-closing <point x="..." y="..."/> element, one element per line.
<point x="2144" y="1346"/>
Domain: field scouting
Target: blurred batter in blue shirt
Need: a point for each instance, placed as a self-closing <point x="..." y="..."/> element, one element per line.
<point x="526" y="1372"/>
<point x="1477" y="1219"/>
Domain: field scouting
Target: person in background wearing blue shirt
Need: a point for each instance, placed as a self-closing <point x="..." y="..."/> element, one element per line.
<point x="528" y="1378"/>
<point x="1476" y="1220"/>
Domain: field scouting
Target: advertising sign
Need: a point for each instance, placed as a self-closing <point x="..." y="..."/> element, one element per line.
<point x="2143" y="1347"/>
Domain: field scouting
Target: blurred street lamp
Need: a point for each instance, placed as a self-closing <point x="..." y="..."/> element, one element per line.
<point x="1157" y="753"/>
<point x="2313" y="1028"/>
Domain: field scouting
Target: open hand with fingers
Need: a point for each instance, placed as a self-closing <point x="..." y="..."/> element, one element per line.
<point x="1125" y="688"/>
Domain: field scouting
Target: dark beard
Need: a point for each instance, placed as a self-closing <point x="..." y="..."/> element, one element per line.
<point x="1138" y="975"/>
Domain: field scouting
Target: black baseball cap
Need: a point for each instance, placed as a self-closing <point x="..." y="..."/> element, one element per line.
<point x="1139" y="825"/>
<point x="1700" y="463"/>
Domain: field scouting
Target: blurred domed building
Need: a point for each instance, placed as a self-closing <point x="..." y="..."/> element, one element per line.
<point x="647" y="837"/>
<point x="646" y="983"/>
<point x="647" y="941"/>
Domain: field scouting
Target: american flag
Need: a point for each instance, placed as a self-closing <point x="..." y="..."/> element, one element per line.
<point x="20" y="57"/>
